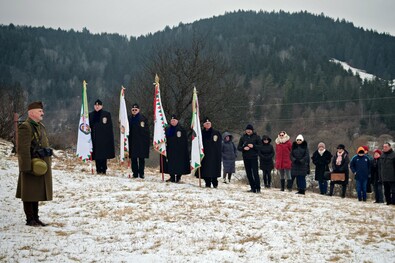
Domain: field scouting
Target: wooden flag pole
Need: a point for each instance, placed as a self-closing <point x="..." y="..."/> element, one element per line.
<point x="163" y="168"/>
<point x="129" y="167"/>
<point x="200" y="178"/>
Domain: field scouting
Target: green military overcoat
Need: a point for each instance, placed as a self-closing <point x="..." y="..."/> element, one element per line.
<point x="32" y="188"/>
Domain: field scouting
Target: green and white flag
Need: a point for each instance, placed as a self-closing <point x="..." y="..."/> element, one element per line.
<point x="124" y="128"/>
<point x="197" y="151"/>
<point x="160" y="122"/>
<point x="84" y="143"/>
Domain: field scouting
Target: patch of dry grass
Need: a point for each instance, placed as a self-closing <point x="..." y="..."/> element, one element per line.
<point x="62" y="233"/>
<point x="250" y="239"/>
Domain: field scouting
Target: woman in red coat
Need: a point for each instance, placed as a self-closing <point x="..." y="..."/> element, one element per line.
<point x="283" y="159"/>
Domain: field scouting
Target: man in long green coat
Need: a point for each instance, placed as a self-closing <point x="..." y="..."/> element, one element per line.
<point x="33" y="143"/>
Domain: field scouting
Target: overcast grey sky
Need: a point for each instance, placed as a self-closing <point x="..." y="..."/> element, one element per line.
<point x="139" y="17"/>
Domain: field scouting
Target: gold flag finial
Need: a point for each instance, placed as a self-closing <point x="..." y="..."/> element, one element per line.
<point x="156" y="79"/>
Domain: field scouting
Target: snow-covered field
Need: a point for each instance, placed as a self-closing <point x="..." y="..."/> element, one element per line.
<point x="116" y="219"/>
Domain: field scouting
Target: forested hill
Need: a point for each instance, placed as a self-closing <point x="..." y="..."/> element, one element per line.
<point x="269" y="69"/>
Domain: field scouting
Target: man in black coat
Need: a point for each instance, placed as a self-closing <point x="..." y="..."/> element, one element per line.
<point x="250" y="145"/>
<point x="210" y="169"/>
<point x="102" y="137"/>
<point x="177" y="161"/>
<point x="387" y="172"/>
<point x="139" y="141"/>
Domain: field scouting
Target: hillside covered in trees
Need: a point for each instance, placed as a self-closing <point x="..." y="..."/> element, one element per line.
<point x="269" y="69"/>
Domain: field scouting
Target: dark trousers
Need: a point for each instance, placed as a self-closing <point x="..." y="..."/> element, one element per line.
<point x="378" y="192"/>
<point x="323" y="184"/>
<point x="251" y="166"/>
<point x="138" y="166"/>
<point x="361" y="186"/>
<point x="175" y="178"/>
<point x="211" y="181"/>
<point x="301" y="182"/>
<point x="31" y="210"/>
<point x="101" y="166"/>
<point x="389" y="192"/>
<point x="267" y="177"/>
<point x="344" y="188"/>
<point x="229" y="176"/>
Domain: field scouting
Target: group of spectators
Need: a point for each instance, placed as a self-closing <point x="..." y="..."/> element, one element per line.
<point x="292" y="161"/>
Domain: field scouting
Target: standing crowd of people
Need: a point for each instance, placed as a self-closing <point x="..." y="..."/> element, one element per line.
<point x="290" y="159"/>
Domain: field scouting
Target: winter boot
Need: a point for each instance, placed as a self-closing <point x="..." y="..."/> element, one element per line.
<point x="302" y="192"/>
<point x="289" y="185"/>
<point x="265" y="180"/>
<point x="29" y="212"/>
<point x="344" y="188"/>
<point x="173" y="178"/>
<point x="331" y="188"/>
<point x="282" y="181"/>
<point x="36" y="218"/>
<point x="178" y="178"/>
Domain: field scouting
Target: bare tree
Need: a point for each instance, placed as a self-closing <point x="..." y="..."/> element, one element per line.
<point x="182" y="67"/>
<point x="12" y="99"/>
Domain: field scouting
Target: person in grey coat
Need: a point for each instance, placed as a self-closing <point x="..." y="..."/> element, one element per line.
<point x="229" y="154"/>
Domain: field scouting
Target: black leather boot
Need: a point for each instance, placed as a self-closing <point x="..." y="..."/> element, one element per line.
<point x="289" y="185"/>
<point x="282" y="181"/>
<point x="36" y="217"/>
<point x="29" y="212"/>
<point x="344" y="188"/>
<point x="331" y="188"/>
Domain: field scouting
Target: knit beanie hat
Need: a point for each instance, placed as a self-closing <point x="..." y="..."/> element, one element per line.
<point x="249" y="127"/>
<point x="361" y="150"/>
<point x="378" y="151"/>
<point x="341" y="146"/>
<point x="300" y="137"/>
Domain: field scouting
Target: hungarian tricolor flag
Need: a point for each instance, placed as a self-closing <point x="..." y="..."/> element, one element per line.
<point x="197" y="151"/>
<point x="160" y="121"/>
<point x="124" y="128"/>
<point x="84" y="143"/>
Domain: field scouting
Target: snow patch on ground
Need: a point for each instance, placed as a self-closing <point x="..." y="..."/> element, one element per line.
<point x="117" y="219"/>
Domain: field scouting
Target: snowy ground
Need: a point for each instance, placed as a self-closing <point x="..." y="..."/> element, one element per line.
<point x="116" y="219"/>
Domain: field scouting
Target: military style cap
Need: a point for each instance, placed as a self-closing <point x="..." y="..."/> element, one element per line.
<point x="35" y="105"/>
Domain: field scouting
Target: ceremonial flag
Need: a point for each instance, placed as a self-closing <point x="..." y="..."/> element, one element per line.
<point x="84" y="143"/>
<point x="197" y="151"/>
<point x="124" y="127"/>
<point x="160" y="122"/>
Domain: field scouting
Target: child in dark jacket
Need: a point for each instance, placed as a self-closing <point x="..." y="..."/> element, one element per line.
<point x="360" y="166"/>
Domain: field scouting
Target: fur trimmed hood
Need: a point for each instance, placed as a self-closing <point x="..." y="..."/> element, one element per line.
<point x="284" y="139"/>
